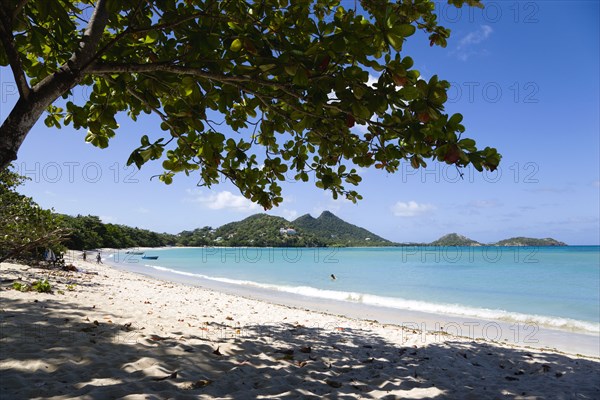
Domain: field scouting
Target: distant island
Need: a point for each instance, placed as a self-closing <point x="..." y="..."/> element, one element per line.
<point x="454" y="239"/>
<point x="259" y="230"/>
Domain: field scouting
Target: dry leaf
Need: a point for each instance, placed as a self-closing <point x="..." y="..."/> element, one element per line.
<point x="333" y="383"/>
<point x="200" y="383"/>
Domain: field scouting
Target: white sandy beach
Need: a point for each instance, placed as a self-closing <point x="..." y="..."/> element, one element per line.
<point x="116" y="334"/>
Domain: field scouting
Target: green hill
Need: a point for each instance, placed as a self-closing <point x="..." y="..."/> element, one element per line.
<point x="336" y="232"/>
<point x="264" y="230"/>
<point x="525" y="241"/>
<point x="454" y="239"/>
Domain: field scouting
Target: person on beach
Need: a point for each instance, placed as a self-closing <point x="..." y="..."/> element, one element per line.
<point x="333" y="278"/>
<point x="84" y="255"/>
<point x="99" y="258"/>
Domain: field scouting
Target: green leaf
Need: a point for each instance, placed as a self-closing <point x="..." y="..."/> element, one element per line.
<point x="404" y="30"/>
<point x="301" y="77"/>
<point x="236" y="45"/>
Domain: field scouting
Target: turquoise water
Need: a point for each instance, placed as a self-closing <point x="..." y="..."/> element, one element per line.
<point x="557" y="287"/>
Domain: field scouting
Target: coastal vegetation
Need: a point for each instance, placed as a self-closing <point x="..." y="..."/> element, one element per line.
<point x="27" y="230"/>
<point x="24" y="226"/>
<point x="258" y="230"/>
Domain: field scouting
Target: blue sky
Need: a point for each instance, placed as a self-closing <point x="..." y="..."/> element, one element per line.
<point x="525" y="75"/>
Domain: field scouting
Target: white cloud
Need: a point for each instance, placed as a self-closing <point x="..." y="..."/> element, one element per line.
<point x="411" y="209"/>
<point x="472" y="39"/>
<point x="224" y="200"/>
<point x="476" y="37"/>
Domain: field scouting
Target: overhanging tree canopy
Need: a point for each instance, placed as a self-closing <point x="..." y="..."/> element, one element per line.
<point x="293" y="74"/>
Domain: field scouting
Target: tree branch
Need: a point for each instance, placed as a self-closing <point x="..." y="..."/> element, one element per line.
<point x="8" y="42"/>
<point x="113" y="68"/>
<point x="19" y="8"/>
<point x="91" y="37"/>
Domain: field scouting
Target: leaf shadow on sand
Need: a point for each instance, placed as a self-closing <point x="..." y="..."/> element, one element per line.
<point x="70" y="356"/>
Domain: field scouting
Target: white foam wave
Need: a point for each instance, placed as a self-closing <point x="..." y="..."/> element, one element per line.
<point x="412" y="305"/>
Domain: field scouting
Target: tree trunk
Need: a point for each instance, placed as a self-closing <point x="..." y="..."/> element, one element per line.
<point x="16" y="127"/>
<point x="27" y="112"/>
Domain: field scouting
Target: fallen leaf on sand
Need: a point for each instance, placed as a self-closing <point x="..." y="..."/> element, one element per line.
<point x="333" y="383"/>
<point x="157" y="338"/>
<point x="200" y="384"/>
<point x="288" y="352"/>
<point x="127" y="327"/>
<point x="229" y="318"/>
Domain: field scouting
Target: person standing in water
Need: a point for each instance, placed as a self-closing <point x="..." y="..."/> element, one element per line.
<point x="99" y="258"/>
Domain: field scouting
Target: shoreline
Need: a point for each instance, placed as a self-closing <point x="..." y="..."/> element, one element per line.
<point x="109" y="333"/>
<point x="492" y="330"/>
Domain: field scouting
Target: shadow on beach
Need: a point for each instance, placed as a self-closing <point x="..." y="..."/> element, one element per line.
<point x="46" y="352"/>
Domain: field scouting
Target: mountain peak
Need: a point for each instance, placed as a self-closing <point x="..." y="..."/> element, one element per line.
<point x="328" y="214"/>
<point x="335" y="231"/>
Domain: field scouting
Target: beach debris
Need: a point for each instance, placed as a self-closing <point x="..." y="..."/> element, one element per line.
<point x="228" y="318"/>
<point x="334" y="384"/>
<point x="162" y="378"/>
<point x="217" y="352"/>
<point x="127" y="327"/>
<point x="199" y="384"/>
<point x="545" y="368"/>
<point x="70" y="267"/>
<point x="287" y="352"/>
<point x="157" y="338"/>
